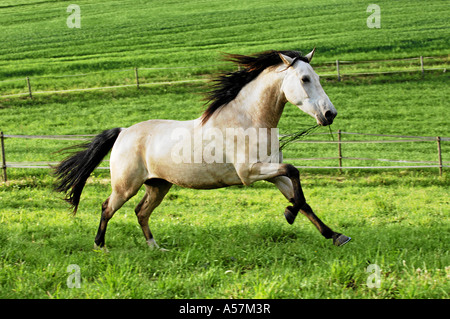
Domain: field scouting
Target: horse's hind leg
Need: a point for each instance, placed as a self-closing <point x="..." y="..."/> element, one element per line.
<point x="109" y="207"/>
<point x="156" y="189"/>
<point x="119" y="196"/>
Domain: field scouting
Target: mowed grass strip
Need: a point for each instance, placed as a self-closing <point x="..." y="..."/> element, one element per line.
<point x="125" y="34"/>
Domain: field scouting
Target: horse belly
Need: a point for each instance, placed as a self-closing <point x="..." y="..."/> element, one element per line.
<point x="197" y="175"/>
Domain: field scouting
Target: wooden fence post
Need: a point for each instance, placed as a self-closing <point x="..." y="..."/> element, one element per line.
<point x="2" y="138"/>
<point x="421" y="64"/>
<point x="438" y="139"/>
<point x="29" y="87"/>
<point x="337" y="70"/>
<point x="339" y="150"/>
<point x="137" y="77"/>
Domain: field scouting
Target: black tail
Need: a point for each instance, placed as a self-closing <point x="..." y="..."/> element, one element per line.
<point x="73" y="171"/>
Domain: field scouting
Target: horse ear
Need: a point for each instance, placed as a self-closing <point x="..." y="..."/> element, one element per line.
<point x="309" y="56"/>
<point x="286" y="59"/>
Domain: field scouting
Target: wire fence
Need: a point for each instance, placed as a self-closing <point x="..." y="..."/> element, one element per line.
<point x="133" y="77"/>
<point x="139" y="77"/>
<point x="437" y="163"/>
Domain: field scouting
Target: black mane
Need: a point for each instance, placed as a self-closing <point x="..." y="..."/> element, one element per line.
<point x="227" y="86"/>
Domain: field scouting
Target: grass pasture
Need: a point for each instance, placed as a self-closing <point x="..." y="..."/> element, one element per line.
<point x="233" y="242"/>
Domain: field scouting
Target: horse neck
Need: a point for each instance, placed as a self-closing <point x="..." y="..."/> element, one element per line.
<point x="259" y="104"/>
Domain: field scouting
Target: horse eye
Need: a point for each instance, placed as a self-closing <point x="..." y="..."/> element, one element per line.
<point x="305" y="79"/>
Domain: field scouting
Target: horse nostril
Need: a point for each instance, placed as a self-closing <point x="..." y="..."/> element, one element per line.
<point x="329" y="116"/>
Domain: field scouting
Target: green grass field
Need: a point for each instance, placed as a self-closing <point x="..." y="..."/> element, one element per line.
<point x="233" y="242"/>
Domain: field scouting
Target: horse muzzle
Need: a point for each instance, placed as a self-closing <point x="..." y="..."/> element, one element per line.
<point x="326" y="118"/>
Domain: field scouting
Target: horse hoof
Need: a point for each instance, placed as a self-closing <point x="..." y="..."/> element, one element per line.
<point x="154" y="246"/>
<point x="157" y="248"/>
<point x="100" y="248"/>
<point x="290" y="216"/>
<point x="341" y="240"/>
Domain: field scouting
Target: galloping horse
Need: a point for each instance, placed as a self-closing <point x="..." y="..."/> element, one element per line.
<point x="248" y="103"/>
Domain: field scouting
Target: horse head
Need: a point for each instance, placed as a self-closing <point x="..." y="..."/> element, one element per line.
<point x="301" y="87"/>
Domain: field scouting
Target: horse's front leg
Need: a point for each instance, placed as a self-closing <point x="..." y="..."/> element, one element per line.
<point x="287" y="178"/>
